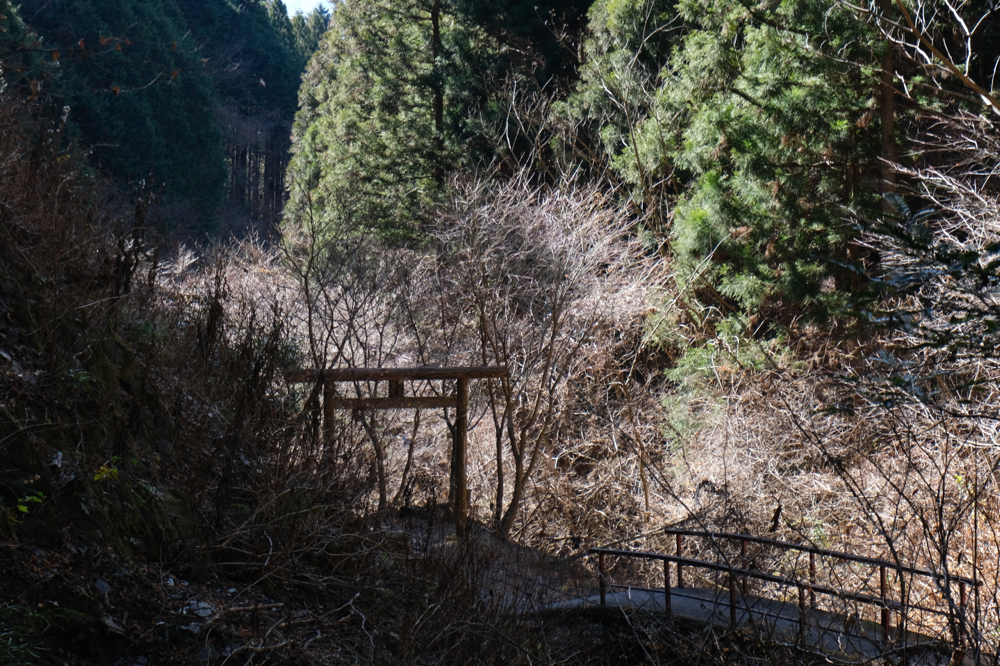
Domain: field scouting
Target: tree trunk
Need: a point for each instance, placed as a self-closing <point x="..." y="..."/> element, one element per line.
<point x="516" y="492"/>
<point x="438" y="84"/>
<point x="402" y="493"/>
<point x="459" y="481"/>
<point x="887" y="111"/>
<point x="369" y="426"/>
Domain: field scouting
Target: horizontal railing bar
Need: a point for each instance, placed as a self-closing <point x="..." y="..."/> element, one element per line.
<point x="382" y="374"/>
<point x="822" y="551"/>
<point x="722" y="597"/>
<point x="758" y="575"/>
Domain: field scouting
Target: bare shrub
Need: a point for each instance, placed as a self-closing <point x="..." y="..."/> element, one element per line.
<point x="886" y="445"/>
<point x="548" y="283"/>
<point x="75" y="270"/>
<point x="352" y="312"/>
<point x="933" y="381"/>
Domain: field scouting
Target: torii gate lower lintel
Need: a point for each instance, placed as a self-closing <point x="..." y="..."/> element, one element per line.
<point x="397" y="399"/>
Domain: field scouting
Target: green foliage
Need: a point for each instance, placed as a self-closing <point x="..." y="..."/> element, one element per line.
<point x="19" y="633"/>
<point x="404" y="93"/>
<point x="16" y="54"/>
<point x="307" y="31"/>
<point x="774" y="138"/>
<point x="745" y="144"/>
<point x="106" y="472"/>
<point x="704" y="365"/>
<point x="33" y="497"/>
<point x="145" y="81"/>
<point x="253" y="62"/>
<point x="686" y="413"/>
<point x="629" y="46"/>
<point x="277" y="13"/>
<point x="138" y="92"/>
<point x="533" y="39"/>
<point x="384" y="104"/>
<point x="724" y="354"/>
<point x="14" y="515"/>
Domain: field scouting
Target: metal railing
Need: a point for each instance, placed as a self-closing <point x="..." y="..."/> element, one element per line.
<point x="738" y="576"/>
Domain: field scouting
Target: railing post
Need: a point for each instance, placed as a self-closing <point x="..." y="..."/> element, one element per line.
<point x="680" y="569"/>
<point x="666" y="586"/>
<point x="744" y="563"/>
<point x="885" y="605"/>
<point x="812" y="579"/>
<point x="802" y="614"/>
<point x="600" y="572"/>
<point x="732" y="599"/>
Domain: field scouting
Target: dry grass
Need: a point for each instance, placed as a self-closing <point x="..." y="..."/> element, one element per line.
<point x="546" y="281"/>
<point x="603" y="465"/>
<point x="906" y="481"/>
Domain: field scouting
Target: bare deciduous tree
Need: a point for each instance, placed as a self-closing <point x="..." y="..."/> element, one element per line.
<point x="546" y="279"/>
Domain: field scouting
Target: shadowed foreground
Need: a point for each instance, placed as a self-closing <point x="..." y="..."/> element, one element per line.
<point x="842" y="638"/>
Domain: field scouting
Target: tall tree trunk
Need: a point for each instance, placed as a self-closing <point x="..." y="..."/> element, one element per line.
<point x="887" y="110"/>
<point x="435" y="53"/>
<point x="239" y="174"/>
<point x="438" y="84"/>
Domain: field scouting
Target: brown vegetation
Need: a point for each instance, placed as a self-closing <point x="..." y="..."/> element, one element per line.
<point x="166" y="494"/>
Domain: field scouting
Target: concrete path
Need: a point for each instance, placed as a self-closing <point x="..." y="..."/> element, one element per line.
<point x="844" y="639"/>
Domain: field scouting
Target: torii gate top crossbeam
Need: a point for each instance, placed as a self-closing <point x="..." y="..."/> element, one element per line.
<point x="395" y="374"/>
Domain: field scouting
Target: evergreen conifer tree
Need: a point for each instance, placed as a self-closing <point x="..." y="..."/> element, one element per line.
<point x="629" y="48"/>
<point x="197" y="95"/>
<point x="138" y="94"/>
<point x="750" y="133"/>
<point x="383" y="116"/>
<point x="307" y="31"/>
<point x="402" y="93"/>
<point x="278" y="13"/>
<point x="256" y="71"/>
<point x="16" y="52"/>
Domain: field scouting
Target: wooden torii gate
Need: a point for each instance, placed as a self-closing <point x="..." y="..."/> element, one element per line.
<point x="397" y="399"/>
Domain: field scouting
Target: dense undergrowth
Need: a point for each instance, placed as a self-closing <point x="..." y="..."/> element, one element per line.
<point x="168" y="498"/>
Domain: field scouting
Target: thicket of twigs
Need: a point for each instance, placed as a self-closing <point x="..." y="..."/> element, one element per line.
<point x="884" y="444"/>
<point x="875" y="445"/>
<point x="167" y="495"/>
<point x="160" y="478"/>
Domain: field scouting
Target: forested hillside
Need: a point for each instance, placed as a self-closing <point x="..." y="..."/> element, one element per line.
<point x="403" y="95"/>
<point x="738" y="264"/>
<point x="189" y="100"/>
